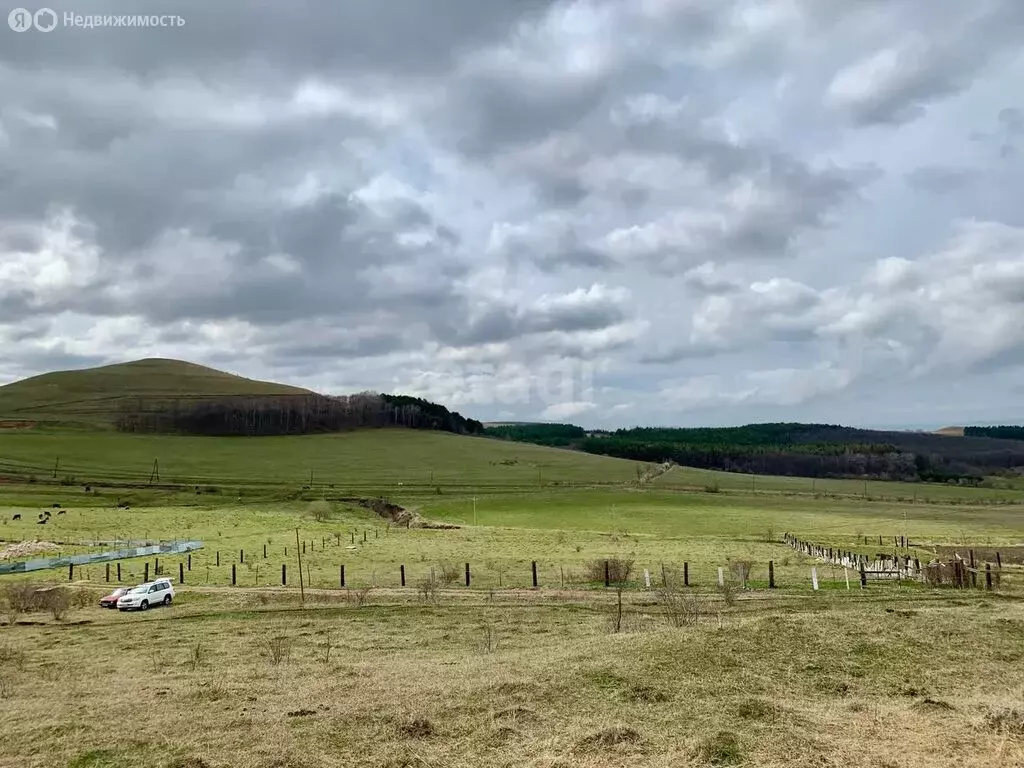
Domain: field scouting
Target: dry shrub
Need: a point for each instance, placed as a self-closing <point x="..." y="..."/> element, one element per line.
<point x="320" y="510"/>
<point x="723" y="748"/>
<point x="618" y="570"/>
<point x="741" y="570"/>
<point x="450" y="573"/>
<point x="682" y="607"/>
<point x="278" y="649"/>
<point x="57" y="601"/>
<point x="17" y="598"/>
<point x="427" y="589"/>
<point x="728" y="592"/>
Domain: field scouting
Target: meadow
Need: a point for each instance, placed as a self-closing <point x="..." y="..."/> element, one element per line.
<point x="498" y="674"/>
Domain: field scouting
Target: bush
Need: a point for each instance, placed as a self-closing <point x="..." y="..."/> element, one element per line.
<point x="450" y="573"/>
<point x="320" y="510"/>
<point x="618" y="570"/>
<point x="278" y="649"/>
<point x="17" y="598"/>
<point x="682" y="607"/>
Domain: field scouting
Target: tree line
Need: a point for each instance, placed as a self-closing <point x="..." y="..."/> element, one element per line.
<point x="806" y="450"/>
<point x="287" y="415"/>
<point x="1002" y="432"/>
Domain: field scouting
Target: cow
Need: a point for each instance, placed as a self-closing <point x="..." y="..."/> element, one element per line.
<point x="16" y="517"/>
<point x="55" y="506"/>
<point x="61" y="512"/>
<point x="41" y="522"/>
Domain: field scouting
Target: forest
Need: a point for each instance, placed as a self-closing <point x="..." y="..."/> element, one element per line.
<point x="807" y="450"/>
<point x="1004" y="432"/>
<point x="287" y="415"/>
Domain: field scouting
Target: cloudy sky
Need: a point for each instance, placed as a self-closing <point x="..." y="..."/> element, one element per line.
<point x="613" y="212"/>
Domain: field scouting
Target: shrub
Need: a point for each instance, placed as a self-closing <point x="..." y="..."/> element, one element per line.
<point x="682" y="607"/>
<point x="320" y="510"/>
<point x="278" y="649"/>
<point x="712" y="488"/>
<point x="450" y="573"/>
<point x="618" y="570"/>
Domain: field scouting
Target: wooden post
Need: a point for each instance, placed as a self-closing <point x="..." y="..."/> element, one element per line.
<point x="771" y="574"/>
<point x="190" y="561"/>
<point x="353" y="535"/>
<point x="303" y="547"/>
<point x="879" y="541"/>
<point x="467" y="574"/>
<point x="156" y="566"/>
<point x="974" y="575"/>
<point x="988" y="575"/>
<point x="108" y="572"/>
<point x="181" y="573"/>
<point x="145" y="572"/>
<point x="284" y="575"/>
<point x="863" y="576"/>
<point x="364" y="536"/>
<point x="119" y="572"/>
<point x="533" y="567"/>
<point x="233" y="575"/>
<point x="302" y="586"/>
<point x="71" y="571"/>
<point x="401" y="573"/>
<point x="999" y="561"/>
<point x="686" y="574"/>
<point x="264" y="551"/>
<point x="218" y="559"/>
<point x="664" y="576"/>
<point x="814" y="578"/>
<point x="607" y="574"/>
<point x="342" y="574"/>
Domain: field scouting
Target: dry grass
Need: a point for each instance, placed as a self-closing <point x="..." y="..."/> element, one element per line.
<point x="822" y="682"/>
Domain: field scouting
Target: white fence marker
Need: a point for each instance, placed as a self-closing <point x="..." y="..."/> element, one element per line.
<point x="721" y="576"/>
<point x="846" y="573"/>
<point x="647" y="578"/>
<point x="814" y="577"/>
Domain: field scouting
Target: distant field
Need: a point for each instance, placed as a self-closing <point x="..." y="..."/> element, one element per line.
<point x="688" y="477"/>
<point x="375" y="458"/>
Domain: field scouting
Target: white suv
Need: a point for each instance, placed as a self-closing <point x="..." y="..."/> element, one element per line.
<point x="144" y="596"/>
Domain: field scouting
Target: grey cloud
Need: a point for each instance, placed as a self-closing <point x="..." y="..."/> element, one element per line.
<point x="940" y="179"/>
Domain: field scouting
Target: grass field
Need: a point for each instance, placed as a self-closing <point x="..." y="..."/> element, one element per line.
<point x="499" y="674"/>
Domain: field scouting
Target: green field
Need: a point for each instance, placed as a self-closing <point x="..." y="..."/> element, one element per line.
<point x="572" y="673"/>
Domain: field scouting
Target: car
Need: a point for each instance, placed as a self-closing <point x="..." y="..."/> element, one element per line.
<point x="110" y="601"/>
<point x="145" y="596"/>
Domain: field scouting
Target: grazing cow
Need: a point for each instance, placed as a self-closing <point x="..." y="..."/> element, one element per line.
<point x="41" y="522"/>
<point x="55" y="506"/>
<point x="61" y="512"/>
<point x="16" y="517"/>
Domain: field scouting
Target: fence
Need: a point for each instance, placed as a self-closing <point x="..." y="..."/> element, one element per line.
<point x="43" y="563"/>
<point x="956" y="572"/>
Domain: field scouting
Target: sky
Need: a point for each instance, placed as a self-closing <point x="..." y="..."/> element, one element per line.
<point x="609" y="212"/>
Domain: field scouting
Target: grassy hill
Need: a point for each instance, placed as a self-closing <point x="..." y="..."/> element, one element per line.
<point x="94" y="395"/>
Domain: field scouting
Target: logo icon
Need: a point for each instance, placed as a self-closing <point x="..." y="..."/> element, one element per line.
<point x="45" y="19"/>
<point x="22" y="19"/>
<point x="19" y="19"/>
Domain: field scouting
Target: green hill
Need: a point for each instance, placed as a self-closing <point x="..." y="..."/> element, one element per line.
<point x="95" y="396"/>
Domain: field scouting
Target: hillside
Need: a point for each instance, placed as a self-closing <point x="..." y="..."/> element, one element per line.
<point x="172" y="396"/>
<point x="96" y="395"/>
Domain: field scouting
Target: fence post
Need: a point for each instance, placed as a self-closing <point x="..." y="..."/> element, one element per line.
<point x="145" y="572"/>
<point x="863" y="576"/>
<point x="284" y="574"/>
<point x="218" y="558"/>
<point x="353" y="535"/>
<point x="156" y="566"/>
<point x="233" y="582"/>
<point x="264" y="551"/>
<point x="71" y="571"/>
<point x="190" y="561"/>
<point x="721" y="576"/>
<point x="999" y="560"/>
<point x="181" y="573"/>
<point x="686" y="574"/>
<point x="342" y="574"/>
<point x="974" y="575"/>
<point x="988" y="575"/>
<point x="108" y="572"/>
<point x="467" y="574"/>
<point x="364" y="536"/>
<point x="119" y="572"/>
<point x="401" y="572"/>
<point x="533" y="567"/>
<point x="607" y="574"/>
<point x="771" y="574"/>
<point x="303" y="547"/>
<point x="814" y="577"/>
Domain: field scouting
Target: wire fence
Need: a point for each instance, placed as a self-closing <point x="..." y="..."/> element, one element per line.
<point x="43" y="563"/>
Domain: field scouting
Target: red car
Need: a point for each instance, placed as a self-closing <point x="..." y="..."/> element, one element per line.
<point x="110" y="601"/>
